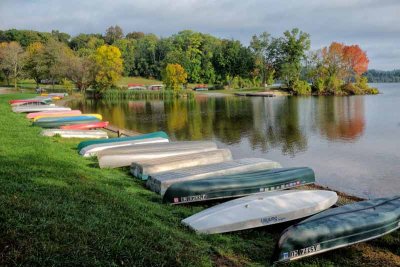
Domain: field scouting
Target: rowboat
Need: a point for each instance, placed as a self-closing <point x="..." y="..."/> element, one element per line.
<point x="145" y="168"/>
<point x="238" y="184"/>
<point x="93" y="150"/>
<point x="59" y="121"/>
<point x="124" y="156"/>
<point x="60" y="113"/>
<point x="86" y="126"/>
<point x="38" y="108"/>
<point x="340" y="227"/>
<point x="122" y="139"/>
<point x="60" y="95"/>
<point x="58" y="116"/>
<point x="259" y="210"/>
<point x="159" y="183"/>
<point x="17" y="102"/>
<point x="75" y="133"/>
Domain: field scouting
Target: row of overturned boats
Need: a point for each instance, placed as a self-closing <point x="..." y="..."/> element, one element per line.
<point x="259" y="192"/>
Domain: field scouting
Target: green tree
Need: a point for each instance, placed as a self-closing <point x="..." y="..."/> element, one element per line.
<point x="174" y="77"/>
<point x="35" y="65"/>
<point x="113" y="34"/>
<point x="127" y="48"/>
<point x="293" y="47"/>
<point x="108" y="66"/>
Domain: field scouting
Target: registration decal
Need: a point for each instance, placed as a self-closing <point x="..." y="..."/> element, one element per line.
<point x="193" y="198"/>
<point x="272" y="220"/>
<point x="301" y="252"/>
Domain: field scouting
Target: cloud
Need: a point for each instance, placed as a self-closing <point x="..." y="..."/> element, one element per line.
<point x="372" y="24"/>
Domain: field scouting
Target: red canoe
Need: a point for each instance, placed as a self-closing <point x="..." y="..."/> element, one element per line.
<point x="85" y="126"/>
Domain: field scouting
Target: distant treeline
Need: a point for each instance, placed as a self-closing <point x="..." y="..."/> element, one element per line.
<point x="89" y="60"/>
<point x="382" y="76"/>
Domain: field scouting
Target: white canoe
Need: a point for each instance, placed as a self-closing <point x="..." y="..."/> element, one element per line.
<point x="124" y="156"/>
<point x="93" y="150"/>
<point x="160" y="182"/>
<point x="260" y="210"/>
<point x="143" y="169"/>
<point x="94" y="134"/>
<point x="38" y="108"/>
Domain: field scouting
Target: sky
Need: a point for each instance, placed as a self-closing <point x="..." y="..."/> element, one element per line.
<point x="373" y="24"/>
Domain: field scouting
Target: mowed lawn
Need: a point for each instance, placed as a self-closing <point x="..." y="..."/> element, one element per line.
<point x="59" y="209"/>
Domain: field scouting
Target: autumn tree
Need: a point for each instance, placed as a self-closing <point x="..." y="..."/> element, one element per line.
<point x="174" y="77"/>
<point x="35" y="66"/>
<point x="11" y="61"/>
<point x="108" y="66"/>
<point x="81" y="71"/>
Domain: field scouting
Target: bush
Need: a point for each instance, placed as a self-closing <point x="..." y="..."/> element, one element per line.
<point x="301" y="88"/>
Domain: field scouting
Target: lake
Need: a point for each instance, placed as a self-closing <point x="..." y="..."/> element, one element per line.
<point x="352" y="143"/>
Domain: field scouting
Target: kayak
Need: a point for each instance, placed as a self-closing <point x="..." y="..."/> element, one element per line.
<point x="145" y="168"/>
<point x="159" y="183"/>
<point x="121" y="139"/>
<point x="60" y="95"/>
<point x="60" y="113"/>
<point x="38" y="108"/>
<point x="125" y="155"/>
<point x="59" y="121"/>
<point x="86" y="126"/>
<point x="340" y="227"/>
<point x="93" y="150"/>
<point x="75" y="133"/>
<point x="57" y="116"/>
<point x="259" y="210"/>
<point x="239" y="184"/>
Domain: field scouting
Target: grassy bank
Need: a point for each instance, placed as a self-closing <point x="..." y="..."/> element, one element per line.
<point x="59" y="209"/>
<point x="113" y="95"/>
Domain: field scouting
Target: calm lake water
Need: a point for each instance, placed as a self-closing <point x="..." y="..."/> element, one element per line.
<point x="352" y="143"/>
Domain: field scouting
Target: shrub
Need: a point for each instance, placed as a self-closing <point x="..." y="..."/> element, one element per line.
<point x="301" y="88"/>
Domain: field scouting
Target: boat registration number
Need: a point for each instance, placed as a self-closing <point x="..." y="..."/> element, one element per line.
<point x="301" y="252"/>
<point x="190" y="198"/>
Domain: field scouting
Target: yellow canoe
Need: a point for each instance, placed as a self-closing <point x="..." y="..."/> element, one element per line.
<point x="68" y="115"/>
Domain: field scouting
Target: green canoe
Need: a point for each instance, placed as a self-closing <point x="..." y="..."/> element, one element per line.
<point x="122" y="139"/>
<point x="238" y="184"/>
<point x="339" y="227"/>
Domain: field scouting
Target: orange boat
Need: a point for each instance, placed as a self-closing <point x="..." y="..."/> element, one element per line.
<point x="59" y="113"/>
<point x="85" y="126"/>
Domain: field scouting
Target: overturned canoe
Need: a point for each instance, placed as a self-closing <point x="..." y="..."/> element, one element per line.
<point x="125" y="155"/>
<point x="86" y="126"/>
<point x="75" y="133"/>
<point x="38" y="108"/>
<point x="59" y="121"/>
<point x="122" y="139"/>
<point x="260" y="210"/>
<point x="93" y="150"/>
<point x="160" y="182"/>
<point x="340" y="227"/>
<point x="239" y="184"/>
<point x="51" y="117"/>
<point x="143" y="169"/>
<point x="60" y="113"/>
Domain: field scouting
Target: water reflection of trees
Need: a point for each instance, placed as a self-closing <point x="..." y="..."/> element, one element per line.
<point x="340" y="117"/>
<point x="283" y="123"/>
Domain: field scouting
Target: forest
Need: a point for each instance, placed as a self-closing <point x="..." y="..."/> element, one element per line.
<point x="98" y="60"/>
<point x="382" y="76"/>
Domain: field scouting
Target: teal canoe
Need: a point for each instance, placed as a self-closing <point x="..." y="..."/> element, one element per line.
<point x="55" y="122"/>
<point x="238" y="185"/>
<point x="122" y="139"/>
<point x="339" y="227"/>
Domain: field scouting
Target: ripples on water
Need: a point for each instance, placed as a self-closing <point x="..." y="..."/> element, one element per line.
<point x="351" y="142"/>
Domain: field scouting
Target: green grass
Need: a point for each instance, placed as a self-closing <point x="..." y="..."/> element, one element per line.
<point x="59" y="209"/>
<point x="124" y="81"/>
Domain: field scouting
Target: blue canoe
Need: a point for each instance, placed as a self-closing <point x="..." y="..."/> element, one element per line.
<point x="122" y="139"/>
